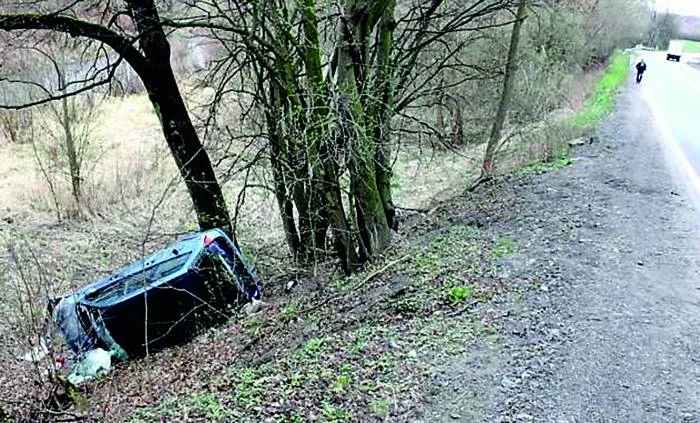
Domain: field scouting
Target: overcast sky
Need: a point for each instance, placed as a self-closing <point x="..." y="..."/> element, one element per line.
<point x="683" y="7"/>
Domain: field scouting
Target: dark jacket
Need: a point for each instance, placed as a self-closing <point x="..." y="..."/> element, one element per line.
<point x="641" y="67"/>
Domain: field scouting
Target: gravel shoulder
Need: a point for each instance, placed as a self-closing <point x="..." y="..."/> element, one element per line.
<point x="609" y="331"/>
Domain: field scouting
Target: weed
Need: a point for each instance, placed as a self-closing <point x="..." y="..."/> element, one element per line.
<point x="204" y="404"/>
<point x="247" y="387"/>
<point x="339" y="284"/>
<point x="560" y="161"/>
<point x="333" y="413"/>
<point x="458" y="294"/>
<point x="504" y="247"/>
<point x="291" y="309"/>
<point x="342" y="383"/>
<point x="443" y="249"/>
<point x="407" y="306"/>
<point x="381" y="408"/>
<point x="208" y="405"/>
<point x="252" y="324"/>
<point x="166" y="409"/>
<point x="361" y="339"/>
<point x="311" y="348"/>
<point x="295" y="380"/>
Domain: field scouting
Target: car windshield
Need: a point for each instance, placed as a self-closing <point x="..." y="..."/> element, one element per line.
<point x="137" y="280"/>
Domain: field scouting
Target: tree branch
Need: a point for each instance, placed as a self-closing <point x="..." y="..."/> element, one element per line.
<point x="79" y="28"/>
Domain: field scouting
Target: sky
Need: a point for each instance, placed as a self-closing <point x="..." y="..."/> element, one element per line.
<point x="681" y="7"/>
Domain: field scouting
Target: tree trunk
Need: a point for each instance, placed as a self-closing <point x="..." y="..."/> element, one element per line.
<point x="10" y="125"/>
<point x="457" y="122"/>
<point x="382" y="128"/>
<point x="163" y="91"/>
<point x="324" y="167"/>
<point x="370" y="215"/>
<point x="71" y="150"/>
<point x="278" y="156"/>
<point x="511" y="67"/>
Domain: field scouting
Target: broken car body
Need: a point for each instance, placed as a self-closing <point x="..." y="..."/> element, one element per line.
<point x="163" y="300"/>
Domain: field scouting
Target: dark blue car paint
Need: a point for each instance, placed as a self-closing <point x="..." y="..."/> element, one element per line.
<point x="162" y="300"/>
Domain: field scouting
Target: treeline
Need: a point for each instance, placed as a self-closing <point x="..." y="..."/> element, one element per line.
<point x="320" y="96"/>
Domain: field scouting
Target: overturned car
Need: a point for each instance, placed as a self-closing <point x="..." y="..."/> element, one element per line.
<point x="163" y="300"/>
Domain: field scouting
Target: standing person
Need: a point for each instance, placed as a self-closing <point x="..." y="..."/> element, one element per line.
<point x="641" y="68"/>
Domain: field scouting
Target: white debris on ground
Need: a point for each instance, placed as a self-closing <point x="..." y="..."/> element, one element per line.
<point x="95" y="363"/>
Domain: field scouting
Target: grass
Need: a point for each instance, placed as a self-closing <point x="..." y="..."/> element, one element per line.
<point x="691" y="46"/>
<point x="381" y="407"/>
<point x="601" y="101"/>
<point x="458" y="294"/>
<point x="503" y="248"/>
<point x="362" y="371"/>
<point x="290" y="310"/>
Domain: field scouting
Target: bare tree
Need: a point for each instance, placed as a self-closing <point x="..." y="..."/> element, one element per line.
<point x="152" y="64"/>
<point x="506" y="94"/>
<point x="328" y="83"/>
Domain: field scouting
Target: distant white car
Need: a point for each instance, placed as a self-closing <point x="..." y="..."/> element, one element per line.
<point x="675" y="49"/>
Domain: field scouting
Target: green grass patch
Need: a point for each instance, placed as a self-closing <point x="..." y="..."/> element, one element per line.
<point x="199" y="405"/>
<point x="439" y="253"/>
<point x="311" y="348"/>
<point x="291" y="309"/>
<point x="458" y="294"/>
<point x="328" y="377"/>
<point x="381" y="408"/>
<point x="504" y="247"/>
<point x="691" y="46"/>
<point x="601" y="101"/>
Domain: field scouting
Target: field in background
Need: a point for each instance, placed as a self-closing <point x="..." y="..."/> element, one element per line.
<point x="691" y="46"/>
<point x="132" y="184"/>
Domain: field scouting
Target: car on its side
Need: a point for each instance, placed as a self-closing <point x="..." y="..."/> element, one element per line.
<point x="162" y="300"/>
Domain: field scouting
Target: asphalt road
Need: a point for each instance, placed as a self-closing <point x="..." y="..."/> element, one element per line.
<point x="612" y="333"/>
<point x="672" y="92"/>
<point x="620" y="319"/>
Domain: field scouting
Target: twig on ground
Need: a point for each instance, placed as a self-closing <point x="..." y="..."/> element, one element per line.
<point x="380" y="271"/>
<point x="276" y="328"/>
<point x="416" y="210"/>
<point x="369" y="277"/>
<point x="468" y="306"/>
<point x="480" y="181"/>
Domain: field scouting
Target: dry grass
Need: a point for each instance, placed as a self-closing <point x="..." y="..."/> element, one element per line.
<point x="130" y="215"/>
<point x="425" y="177"/>
<point x="124" y="190"/>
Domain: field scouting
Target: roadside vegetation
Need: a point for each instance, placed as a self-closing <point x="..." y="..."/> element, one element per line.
<point x="602" y="99"/>
<point x="339" y="151"/>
